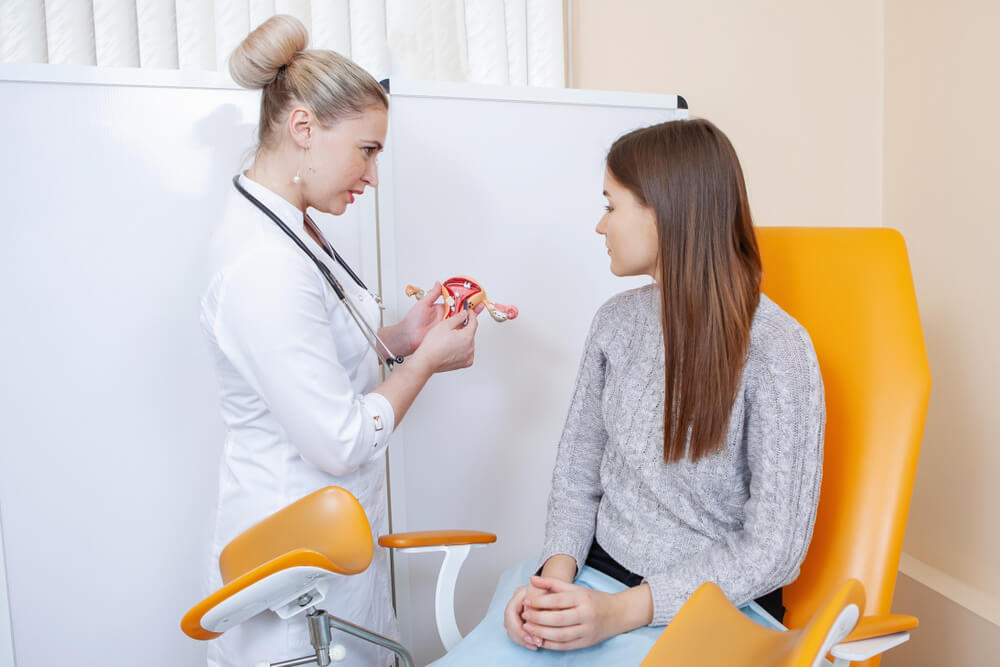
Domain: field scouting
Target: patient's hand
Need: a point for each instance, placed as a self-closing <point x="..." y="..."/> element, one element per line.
<point x="512" y="620"/>
<point x="568" y="616"/>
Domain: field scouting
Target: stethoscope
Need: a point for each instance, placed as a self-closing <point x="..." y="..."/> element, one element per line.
<point x="371" y="336"/>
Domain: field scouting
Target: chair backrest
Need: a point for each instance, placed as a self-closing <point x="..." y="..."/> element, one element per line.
<point x="282" y="557"/>
<point x="852" y="291"/>
<point x="329" y="521"/>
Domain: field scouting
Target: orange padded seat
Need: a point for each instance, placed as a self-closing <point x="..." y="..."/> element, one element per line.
<point x="326" y="531"/>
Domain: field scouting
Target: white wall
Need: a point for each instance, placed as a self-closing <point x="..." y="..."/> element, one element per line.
<point x="6" y="638"/>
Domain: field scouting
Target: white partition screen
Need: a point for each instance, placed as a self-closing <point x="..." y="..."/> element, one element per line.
<point x="112" y="181"/>
<point x="503" y="185"/>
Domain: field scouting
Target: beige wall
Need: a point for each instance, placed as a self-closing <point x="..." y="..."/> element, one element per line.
<point x="942" y="145"/>
<point x="796" y="84"/>
<point x="872" y="113"/>
<point x="949" y="635"/>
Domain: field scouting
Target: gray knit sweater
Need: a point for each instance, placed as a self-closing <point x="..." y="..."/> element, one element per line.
<point x="741" y="517"/>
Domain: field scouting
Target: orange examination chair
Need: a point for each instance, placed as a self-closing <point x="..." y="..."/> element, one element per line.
<point x="286" y="562"/>
<point x="852" y="291"/>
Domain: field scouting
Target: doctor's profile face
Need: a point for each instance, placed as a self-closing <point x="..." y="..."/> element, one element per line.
<point x="629" y="231"/>
<point x="341" y="161"/>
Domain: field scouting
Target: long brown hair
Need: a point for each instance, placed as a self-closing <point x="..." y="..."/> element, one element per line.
<point x="688" y="173"/>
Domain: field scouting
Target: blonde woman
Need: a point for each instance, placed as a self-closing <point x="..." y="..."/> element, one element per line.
<point x="286" y="320"/>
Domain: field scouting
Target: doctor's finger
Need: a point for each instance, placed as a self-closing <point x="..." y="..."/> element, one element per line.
<point x="472" y="323"/>
<point x="455" y="321"/>
<point x="433" y="294"/>
<point x="439" y="311"/>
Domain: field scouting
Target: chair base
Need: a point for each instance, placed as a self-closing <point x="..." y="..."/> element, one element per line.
<point x="320" y="624"/>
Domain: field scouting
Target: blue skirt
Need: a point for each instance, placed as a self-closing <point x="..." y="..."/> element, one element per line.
<point x="489" y="646"/>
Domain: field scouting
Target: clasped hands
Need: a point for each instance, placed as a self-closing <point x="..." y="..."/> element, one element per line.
<point x="554" y="614"/>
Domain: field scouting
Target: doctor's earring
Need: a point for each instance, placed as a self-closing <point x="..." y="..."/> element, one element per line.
<point x="297" y="178"/>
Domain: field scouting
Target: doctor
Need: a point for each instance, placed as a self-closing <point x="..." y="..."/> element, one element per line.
<point x="299" y="379"/>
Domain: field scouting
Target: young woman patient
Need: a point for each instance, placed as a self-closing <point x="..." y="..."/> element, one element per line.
<point x="693" y="447"/>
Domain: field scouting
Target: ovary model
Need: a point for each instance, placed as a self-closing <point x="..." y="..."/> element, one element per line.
<point x="460" y="292"/>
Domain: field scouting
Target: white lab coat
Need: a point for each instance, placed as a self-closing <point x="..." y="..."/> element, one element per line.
<point x="295" y="374"/>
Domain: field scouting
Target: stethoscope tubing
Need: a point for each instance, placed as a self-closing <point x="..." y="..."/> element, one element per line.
<point x="370" y="335"/>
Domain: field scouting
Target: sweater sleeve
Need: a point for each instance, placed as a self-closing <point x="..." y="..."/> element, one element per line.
<point x="783" y="433"/>
<point x="576" y="484"/>
<point x="271" y="324"/>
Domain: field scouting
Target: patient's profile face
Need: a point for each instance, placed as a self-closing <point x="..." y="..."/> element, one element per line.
<point x="629" y="231"/>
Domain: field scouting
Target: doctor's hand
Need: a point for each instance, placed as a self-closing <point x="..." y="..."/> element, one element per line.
<point x="409" y="332"/>
<point x="568" y="616"/>
<point x="449" y="344"/>
<point x="419" y="320"/>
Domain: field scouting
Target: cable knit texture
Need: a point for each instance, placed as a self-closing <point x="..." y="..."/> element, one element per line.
<point x="741" y="517"/>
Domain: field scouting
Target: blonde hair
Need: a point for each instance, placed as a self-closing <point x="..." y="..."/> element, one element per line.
<point x="274" y="59"/>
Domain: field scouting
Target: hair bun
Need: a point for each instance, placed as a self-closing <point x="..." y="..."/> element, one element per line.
<point x="271" y="46"/>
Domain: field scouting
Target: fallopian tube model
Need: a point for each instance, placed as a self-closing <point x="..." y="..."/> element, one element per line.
<point x="461" y="290"/>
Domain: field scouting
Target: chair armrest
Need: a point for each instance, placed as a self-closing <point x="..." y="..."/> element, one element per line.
<point x="863" y="649"/>
<point x="874" y="635"/>
<point x="435" y="538"/>
<point x="878" y="626"/>
<point x="456" y="545"/>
